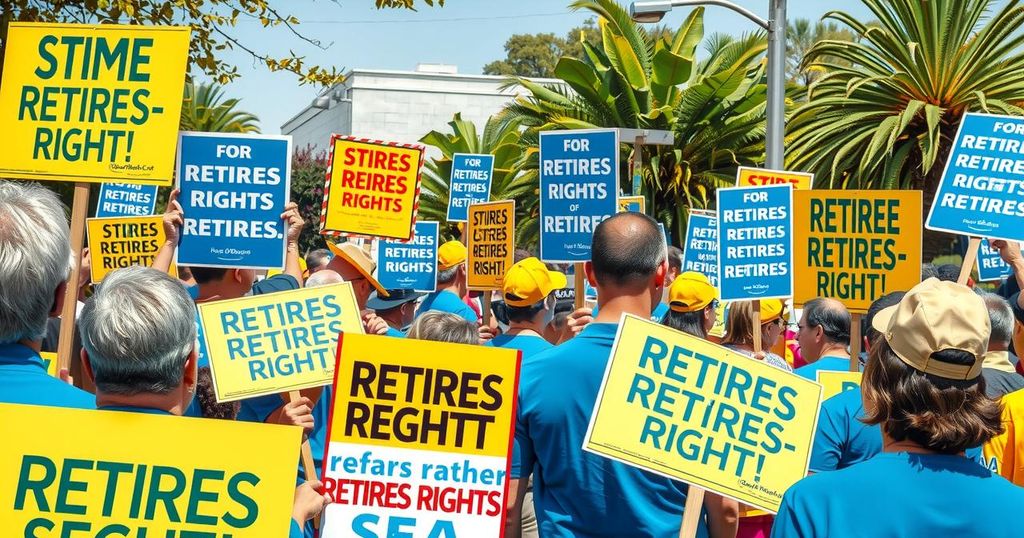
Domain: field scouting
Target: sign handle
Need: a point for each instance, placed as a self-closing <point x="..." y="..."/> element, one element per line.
<point x="485" y="307"/>
<point x="307" y="456"/>
<point x="65" y="345"/>
<point x="970" y="257"/>
<point x="691" y="511"/>
<point x="580" y="286"/>
<point x="638" y="165"/>
<point x="756" y="324"/>
<point x="855" y="342"/>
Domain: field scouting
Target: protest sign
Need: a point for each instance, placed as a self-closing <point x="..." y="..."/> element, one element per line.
<point x="579" y="185"/>
<point x="50" y="362"/>
<point x="755" y="254"/>
<point x="685" y="408"/>
<point x="410" y="265"/>
<point x="276" y="342"/>
<point x="759" y="177"/>
<point x="124" y="242"/>
<point x="833" y="383"/>
<point x="372" y="188"/>
<point x="491" y="235"/>
<point x="636" y="204"/>
<point x="990" y="265"/>
<point x="470" y="183"/>
<point x="855" y="246"/>
<point x="91" y="103"/>
<point x="234" y="188"/>
<point x="981" y="188"/>
<point x="125" y="200"/>
<point x="82" y="473"/>
<point x="701" y="248"/>
<point x="429" y="423"/>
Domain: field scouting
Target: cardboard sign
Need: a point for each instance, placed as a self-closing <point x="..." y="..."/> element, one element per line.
<point x="91" y="103"/>
<point x="410" y="265"/>
<point x="125" y="200"/>
<point x="759" y="177"/>
<point x="234" y="189"/>
<point x="372" y="189"/>
<point x="990" y="265"/>
<point x="701" y="248"/>
<point x="429" y="423"/>
<point x="470" y="183"/>
<point x="690" y="410"/>
<point x="50" y="362"/>
<point x="276" y="342"/>
<point x="755" y="235"/>
<point x="981" y="189"/>
<point x="123" y="242"/>
<point x="855" y="246"/>
<point x="635" y="204"/>
<point x="88" y="473"/>
<point x="579" y="184"/>
<point x="833" y="383"/>
<point x="491" y="237"/>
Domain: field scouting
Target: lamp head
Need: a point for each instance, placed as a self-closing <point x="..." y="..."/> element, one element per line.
<point x="649" y="12"/>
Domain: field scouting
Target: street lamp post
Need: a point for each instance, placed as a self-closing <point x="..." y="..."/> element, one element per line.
<point x="776" y="27"/>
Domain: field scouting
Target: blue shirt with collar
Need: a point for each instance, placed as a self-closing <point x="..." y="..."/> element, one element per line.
<point x="827" y="364"/>
<point x="23" y="380"/>
<point x="576" y="493"/>
<point x="529" y="344"/>
<point x="446" y="301"/>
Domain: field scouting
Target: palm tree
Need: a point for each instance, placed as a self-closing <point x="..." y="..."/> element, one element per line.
<point x="884" y="114"/>
<point x="203" y="110"/>
<point x="801" y="36"/>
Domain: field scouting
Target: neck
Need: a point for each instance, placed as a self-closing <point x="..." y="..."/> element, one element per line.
<point x="454" y="287"/>
<point x="616" y="304"/>
<point x="213" y="291"/>
<point x="170" y="402"/>
<point x="525" y="327"/>
<point x="35" y="345"/>
<point x="834" y="350"/>
<point x="394" y="319"/>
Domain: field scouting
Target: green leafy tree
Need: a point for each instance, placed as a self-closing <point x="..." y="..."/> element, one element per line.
<point x="884" y="113"/>
<point x="535" y="55"/>
<point x="309" y="168"/>
<point x="204" y="108"/>
<point x="801" y="36"/>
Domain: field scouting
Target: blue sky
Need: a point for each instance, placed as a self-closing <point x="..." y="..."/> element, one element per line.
<point x="466" y="33"/>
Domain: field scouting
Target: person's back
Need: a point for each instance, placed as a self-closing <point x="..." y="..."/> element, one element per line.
<point x="841" y="439"/>
<point x="1004" y="453"/>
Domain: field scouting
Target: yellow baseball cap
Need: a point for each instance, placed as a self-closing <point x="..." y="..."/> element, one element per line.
<point x="360" y="259"/>
<point x="451" y="254"/>
<point x="529" y="282"/>
<point x="771" y="310"/>
<point x="935" y="316"/>
<point x="690" y="292"/>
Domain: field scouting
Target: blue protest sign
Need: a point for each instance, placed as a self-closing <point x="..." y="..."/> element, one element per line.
<point x="233" y="191"/>
<point x="410" y="265"/>
<point x="470" y="183"/>
<point x="755" y="237"/>
<point x="983" y="184"/>
<point x="125" y="200"/>
<point x="579" y="185"/>
<point x="700" y="252"/>
<point x="990" y="265"/>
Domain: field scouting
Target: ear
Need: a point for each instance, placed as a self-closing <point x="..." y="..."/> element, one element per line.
<point x="660" y="274"/>
<point x="236" y="274"/>
<point x="58" y="300"/>
<point x="819" y="332"/>
<point x="588" y="269"/>
<point x="87" y="368"/>
<point x="191" y="376"/>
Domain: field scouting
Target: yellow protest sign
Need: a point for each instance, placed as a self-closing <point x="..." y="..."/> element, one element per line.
<point x="73" y="472"/>
<point x="276" y="342"/>
<point x="50" y="361"/>
<point x="694" y="411"/>
<point x="855" y="246"/>
<point x="431" y="423"/>
<point x="491" y="234"/>
<point x="636" y="204"/>
<point x="120" y="242"/>
<point x="92" y="103"/>
<point x="757" y="177"/>
<point x="833" y="383"/>
<point x="372" y="189"/>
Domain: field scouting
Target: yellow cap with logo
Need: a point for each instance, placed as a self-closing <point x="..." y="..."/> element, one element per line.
<point x="530" y="282"/>
<point x="451" y="254"/>
<point x="690" y="292"/>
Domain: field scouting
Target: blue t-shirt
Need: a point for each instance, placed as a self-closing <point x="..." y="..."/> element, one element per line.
<point x="394" y="333"/>
<point x="259" y="408"/>
<point x="576" y="493"/>
<point x="529" y="344"/>
<point x="842" y="440"/>
<point x="898" y="495"/>
<point x="827" y="364"/>
<point x="446" y="301"/>
<point x="657" y="315"/>
<point x="23" y="380"/>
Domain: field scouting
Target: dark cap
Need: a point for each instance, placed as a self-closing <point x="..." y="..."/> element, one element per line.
<point x="395" y="299"/>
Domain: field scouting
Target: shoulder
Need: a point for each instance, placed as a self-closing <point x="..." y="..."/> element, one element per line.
<point x="278" y="282"/>
<point x="58" y="393"/>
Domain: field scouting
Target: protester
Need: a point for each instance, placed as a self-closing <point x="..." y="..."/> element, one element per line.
<point x="398" y="309"/>
<point x="528" y="292"/>
<point x="922" y="386"/>
<point x="139" y="348"/>
<point x="824" y="337"/>
<point x="443" y="327"/>
<point x="739" y="330"/>
<point x="317" y="260"/>
<point x="998" y="369"/>
<point x="1009" y="251"/>
<point x="34" y="263"/>
<point x="693" y="303"/>
<point x="451" y="283"/>
<point x="555" y="331"/>
<point x="324" y="277"/>
<point x="1004" y="453"/>
<point x="577" y="493"/>
<point x="675" y="265"/>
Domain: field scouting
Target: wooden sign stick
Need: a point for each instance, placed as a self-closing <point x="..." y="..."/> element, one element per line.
<point x="970" y="257"/>
<point x="65" y="346"/>
<point x="756" y="324"/>
<point x="307" y="455"/>
<point x="855" y="342"/>
<point x="485" y="307"/>
<point x="580" y="280"/>
<point x="692" y="511"/>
